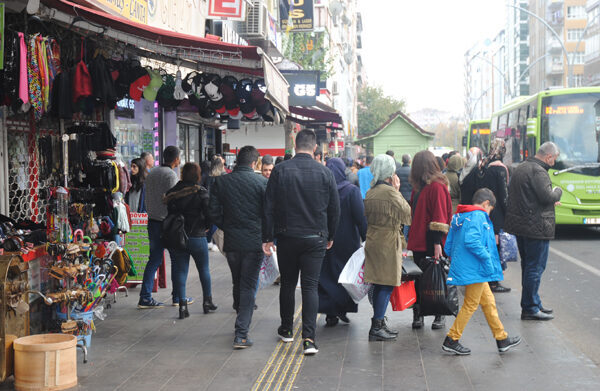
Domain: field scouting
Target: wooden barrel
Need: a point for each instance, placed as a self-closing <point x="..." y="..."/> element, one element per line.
<point x="45" y="362"/>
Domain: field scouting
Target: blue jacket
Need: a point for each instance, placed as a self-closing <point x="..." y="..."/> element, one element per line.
<point x="471" y="245"/>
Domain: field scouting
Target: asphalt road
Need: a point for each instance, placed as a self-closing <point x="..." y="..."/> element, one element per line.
<point x="571" y="286"/>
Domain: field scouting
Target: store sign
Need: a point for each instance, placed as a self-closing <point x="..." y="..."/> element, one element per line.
<point x="125" y="108"/>
<point x="340" y="145"/>
<point x="226" y="9"/>
<point x="304" y="87"/>
<point x="134" y="10"/>
<point x="296" y="15"/>
<point x="182" y="16"/>
<point x="138" y="244"/>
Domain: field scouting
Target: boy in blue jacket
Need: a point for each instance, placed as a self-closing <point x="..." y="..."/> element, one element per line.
<point x="471" y="245"/>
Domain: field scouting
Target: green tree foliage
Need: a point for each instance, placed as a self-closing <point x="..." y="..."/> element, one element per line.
<point x="448" y="134"/>
<point x="310" y="50"/>
<point x="374" y="108"/>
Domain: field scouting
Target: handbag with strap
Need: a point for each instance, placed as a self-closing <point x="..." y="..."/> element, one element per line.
<point x="410" y="270"/>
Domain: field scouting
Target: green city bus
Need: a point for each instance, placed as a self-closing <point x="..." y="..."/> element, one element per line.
<point x="570" y="118"/>
<point x="478" y="134"/>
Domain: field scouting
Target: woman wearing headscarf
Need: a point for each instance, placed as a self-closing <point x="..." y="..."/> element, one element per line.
<point x="431" y="215"/>
<point x="455" y="164"/>
<point x="470" y="177"/>
<point x="135" y="197"/>
<point x="386" y="211"/>
<point x="495" y="177"/>
<point x="334" y="301"/>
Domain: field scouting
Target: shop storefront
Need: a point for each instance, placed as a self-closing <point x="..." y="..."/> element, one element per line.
<point x="75" y="112"/>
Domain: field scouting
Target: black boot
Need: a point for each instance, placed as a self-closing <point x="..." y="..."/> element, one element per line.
<point x="207" y="305"/>
<point x="417" y="319"/>
<point x="378" y="332"/>
<point x="183" y="309"/>
<point x="439" y="322"/>
<point x="385" y="326"/>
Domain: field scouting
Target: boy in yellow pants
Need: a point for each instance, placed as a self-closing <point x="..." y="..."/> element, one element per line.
<point x="471" y="245"/>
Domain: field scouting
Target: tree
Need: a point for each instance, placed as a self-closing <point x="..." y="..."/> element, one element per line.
<point x="374" y="108"/>
<point x="310" y="51"/>
<point x="448" y="134"/>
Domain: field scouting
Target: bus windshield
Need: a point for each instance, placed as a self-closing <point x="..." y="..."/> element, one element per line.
<point x="480" y="136"/>
<point x="573" y="123"/>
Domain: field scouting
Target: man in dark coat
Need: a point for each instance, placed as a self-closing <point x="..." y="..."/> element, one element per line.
<point x="236" y="207"/>
<point x="530" y="216"/>
<point x="403" y="173"/>
<point x="334" y="301"/>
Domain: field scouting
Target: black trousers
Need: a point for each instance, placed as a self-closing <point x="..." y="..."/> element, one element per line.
<point x="302" y="256"/>
<point x="245" y="267"/>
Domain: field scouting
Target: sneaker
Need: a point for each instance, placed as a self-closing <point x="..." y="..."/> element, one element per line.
<point x="507" y="343"/>
<point x="146" y="304"/>
<point x="190" y="300"/>
<point x="214" y="247"/>
<point x="242" y="343"/>
<point x="455" y="347"/>
<point x="310" y="347"/>
<point x="285" y="335"/>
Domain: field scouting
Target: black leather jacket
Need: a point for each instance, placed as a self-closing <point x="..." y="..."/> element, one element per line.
<point x="530" y="211"/>
<point x="191" y="200"/>
<point x="301" y="200"/>
<point x="403" y="173"/>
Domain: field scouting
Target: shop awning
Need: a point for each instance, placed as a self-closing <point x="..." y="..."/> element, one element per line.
<point x="190" y="51"/>
<point x="312" y="116"/>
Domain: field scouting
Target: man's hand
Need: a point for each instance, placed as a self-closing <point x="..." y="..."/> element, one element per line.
<point x="329" y="244"/>
<point x="267" y="248"/>
<point x="437" y="251"/>
<point x="557" y="203"/>
<point x="497" y="239"/>
<point x="396" y="182"/>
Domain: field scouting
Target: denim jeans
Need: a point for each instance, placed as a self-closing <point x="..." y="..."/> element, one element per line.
<point x="302" y="256"/>
<point x="245" y="267"/>
<point x="534" y="256"/>
<point x="197" y="247"/>
<point x="155" y="259"/>
<point x="381" y="298"/>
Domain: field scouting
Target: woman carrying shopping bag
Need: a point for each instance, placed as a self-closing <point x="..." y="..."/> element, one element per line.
<point x="334" y="301"/>
<point x="386" y="211"/>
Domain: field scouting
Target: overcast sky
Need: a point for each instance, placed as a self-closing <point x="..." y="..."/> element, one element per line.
<point x="415" y="49"/>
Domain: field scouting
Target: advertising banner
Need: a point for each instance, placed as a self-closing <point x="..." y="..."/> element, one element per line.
<point x="304" y="87"/>
<point x="296" y="15"/>
<point x="138" y="245"/>
<point x="135" y="10"/>
<point x="226" y="9"/>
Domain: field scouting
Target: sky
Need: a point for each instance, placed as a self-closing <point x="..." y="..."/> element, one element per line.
<point x="415" y="49"/>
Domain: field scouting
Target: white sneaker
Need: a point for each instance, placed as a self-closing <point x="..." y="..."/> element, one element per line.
<point x="214" y="247"/>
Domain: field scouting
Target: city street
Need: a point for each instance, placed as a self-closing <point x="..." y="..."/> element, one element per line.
<point x="153" y="350"/>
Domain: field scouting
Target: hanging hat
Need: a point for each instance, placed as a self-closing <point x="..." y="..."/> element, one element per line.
<point x="259" y="89"/>
<point x="141" y="79"/>
<point x="156" y="81"/>
<point x="206" y="110"/>
<point x="164" y="97"/>
<point x="228" y="90"/>
<point x="244" y="94"/>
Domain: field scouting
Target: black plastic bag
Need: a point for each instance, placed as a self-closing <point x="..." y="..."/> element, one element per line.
<point x="435" y="296"/>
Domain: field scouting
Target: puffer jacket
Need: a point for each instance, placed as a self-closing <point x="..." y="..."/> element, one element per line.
<point x="471" y="245"/>
<point x="191" y="200"/>
<point x="531" y="199"/>
<point x="236" y="206"/>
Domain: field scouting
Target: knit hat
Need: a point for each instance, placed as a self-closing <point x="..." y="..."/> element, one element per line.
<point x="382" y="168"/>
<point x="141" y="79"/>
<point x="156" y="81"/>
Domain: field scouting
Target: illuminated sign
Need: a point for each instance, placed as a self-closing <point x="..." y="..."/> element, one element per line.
<point x="296" y="15"/>
<point x="303" y="87"/>
<point x="484" y="131"/>
<point x="226" y="9"/>
<point x="562" y="110"/>
<point x="125" y="108"/>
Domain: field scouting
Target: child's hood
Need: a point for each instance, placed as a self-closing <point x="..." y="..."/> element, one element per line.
<point x="464" y="212"/>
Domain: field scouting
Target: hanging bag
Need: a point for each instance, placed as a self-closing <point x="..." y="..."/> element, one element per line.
<point x="509" y="251"/>
<point x="403" y="296"/>
<point x="269" y="270"/>
<point x="82" y="81"/>
<point x="173" y="232"/>
<point x="435" y="296"/>
<point x="352" y="276"/>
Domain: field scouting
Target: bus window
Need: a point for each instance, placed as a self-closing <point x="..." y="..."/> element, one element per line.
<point x="502" y="125"/>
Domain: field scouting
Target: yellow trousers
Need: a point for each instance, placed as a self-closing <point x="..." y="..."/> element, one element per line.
<point x="476" y="295"/>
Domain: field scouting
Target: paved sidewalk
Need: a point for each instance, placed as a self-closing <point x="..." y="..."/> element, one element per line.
<point x="153" y="350"/>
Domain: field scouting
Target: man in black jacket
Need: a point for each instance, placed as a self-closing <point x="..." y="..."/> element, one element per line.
<point x="302" y="209"/>
<point x="236" y="206"/>
<point x="530" y="216"/>
<point x="403" y="173"/>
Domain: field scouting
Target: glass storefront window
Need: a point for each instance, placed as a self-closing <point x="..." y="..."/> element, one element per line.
<point x="136" y="129"/>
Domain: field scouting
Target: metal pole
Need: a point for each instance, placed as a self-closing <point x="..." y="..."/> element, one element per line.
<point x="506" y="82"/>
<point x="562" y="45"/>
<point x="529" y="67"/>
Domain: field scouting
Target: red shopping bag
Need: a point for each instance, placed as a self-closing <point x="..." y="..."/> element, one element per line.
<point x="403" y="296"/>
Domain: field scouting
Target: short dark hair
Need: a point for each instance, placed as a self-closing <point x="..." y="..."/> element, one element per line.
<point x="170" y="154"/>
<point x="390" y="152"/>
<point x="144" y="155"/>
<point x="369" y="159"/>
<point x="247" y="155"/>
<point x="287" y="156"/>
<point x="482" y="195"/>
<point x="278" y="160"/>
<point x="267" y="159"/>
<point x="191" y="172"/>
<point x="319" y="152"/>
<point x="306" y="140"/>
<point x="406" y="158"/>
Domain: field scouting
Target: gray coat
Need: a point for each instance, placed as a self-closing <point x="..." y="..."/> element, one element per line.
<point x="531" y="199"/>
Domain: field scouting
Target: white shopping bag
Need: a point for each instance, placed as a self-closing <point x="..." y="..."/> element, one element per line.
<point x="351" y="276"/>
<point x="269" y="270"/>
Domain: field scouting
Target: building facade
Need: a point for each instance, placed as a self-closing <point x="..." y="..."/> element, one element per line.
<point x="517" y="47"/>
<point x="591" y="72"/>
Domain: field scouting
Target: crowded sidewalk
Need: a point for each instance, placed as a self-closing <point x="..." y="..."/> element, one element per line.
<point x="153" y="350"/>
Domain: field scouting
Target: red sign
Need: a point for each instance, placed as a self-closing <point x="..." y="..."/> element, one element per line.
<point x="340" y="145"/>
<point x="226" y="9"/>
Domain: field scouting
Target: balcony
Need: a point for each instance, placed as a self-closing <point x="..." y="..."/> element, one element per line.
<point x="553" y="46"/>
<point x="556" y="68"/>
